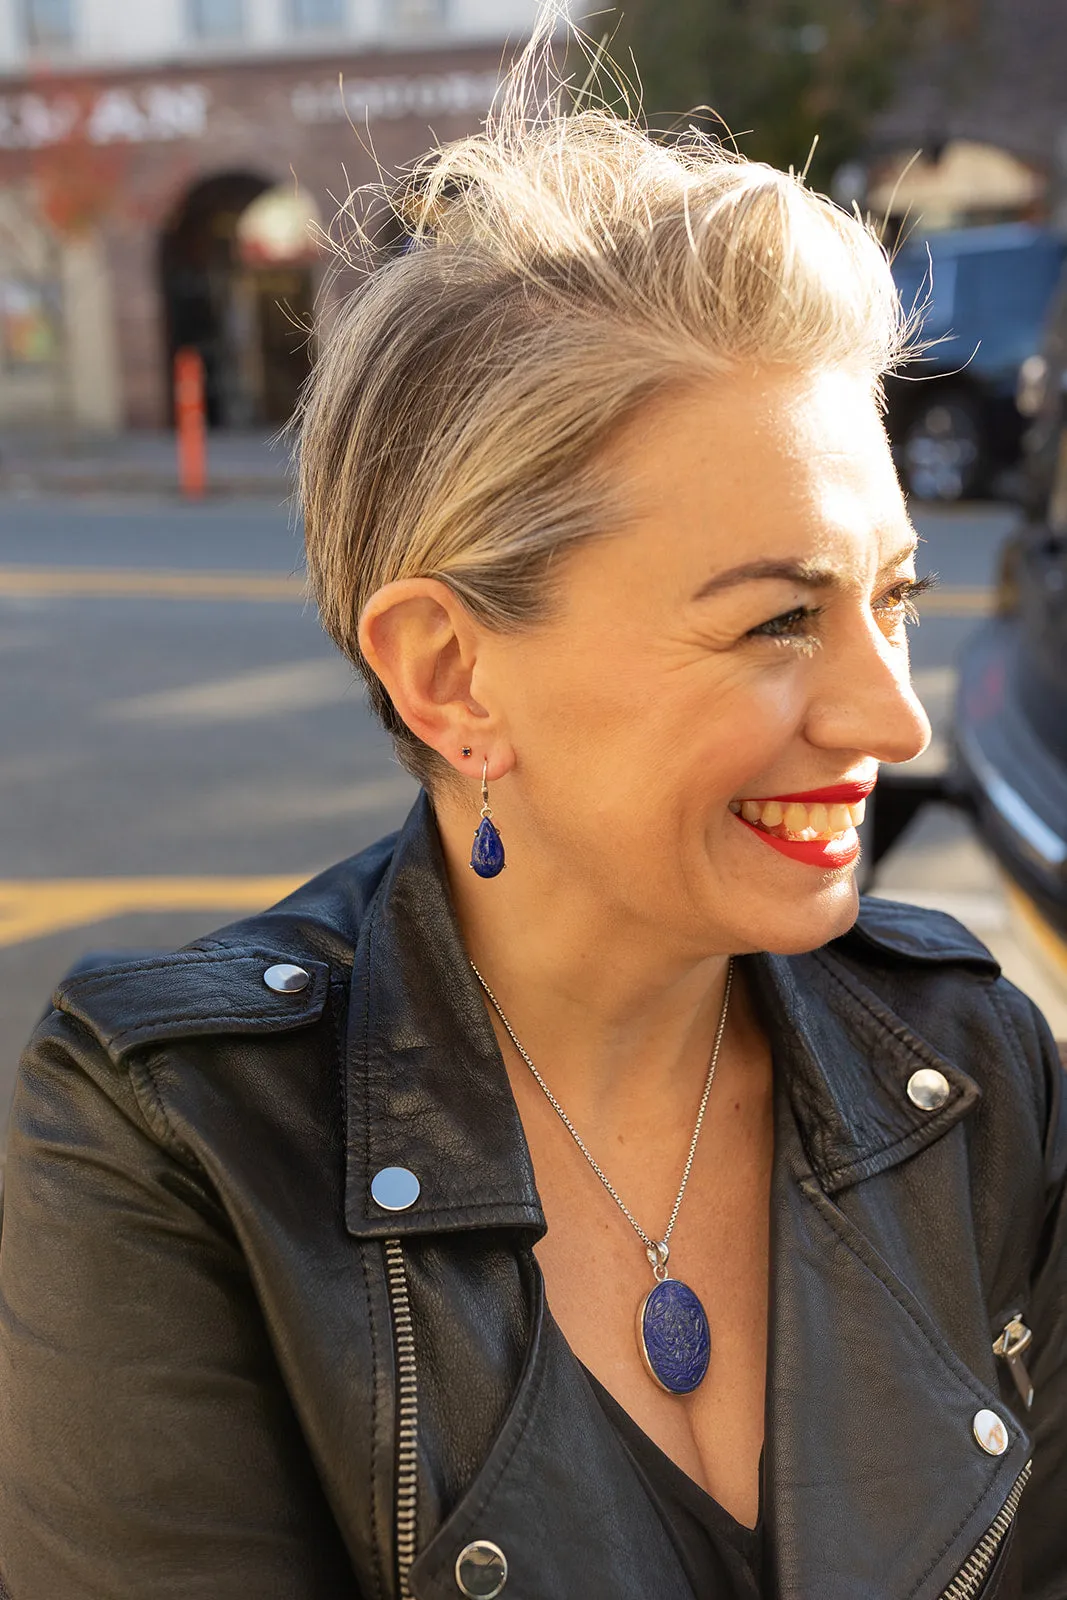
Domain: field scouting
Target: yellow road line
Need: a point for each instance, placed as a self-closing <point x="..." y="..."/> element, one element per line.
<point x="111" y="583"/>
<point x="32" y="908"/>
<point x="1049" y="942"/>
<point x="961" y="602"/>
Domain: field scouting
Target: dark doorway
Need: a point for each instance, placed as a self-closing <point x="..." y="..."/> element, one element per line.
<point x="246" y="315"/>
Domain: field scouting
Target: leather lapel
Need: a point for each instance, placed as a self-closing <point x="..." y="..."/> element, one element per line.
<point x="559" y="1496"/>
<point x="875" y="1484"/>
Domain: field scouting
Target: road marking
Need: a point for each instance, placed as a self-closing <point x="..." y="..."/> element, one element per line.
<point x="32" y="908"/>
<point x="263" y="693"/>
<point x="114" y="583"/>
<point x="958" y="602"/>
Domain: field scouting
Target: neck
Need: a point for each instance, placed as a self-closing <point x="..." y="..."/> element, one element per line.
<point x="599" y="1005"/>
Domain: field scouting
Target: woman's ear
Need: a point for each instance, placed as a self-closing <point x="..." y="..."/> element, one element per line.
<point x="420" y="640"/>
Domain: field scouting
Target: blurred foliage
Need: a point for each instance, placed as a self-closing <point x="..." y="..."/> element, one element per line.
<point x="773" y="74"/>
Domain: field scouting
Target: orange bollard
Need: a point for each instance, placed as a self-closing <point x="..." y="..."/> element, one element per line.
<point x="189" y="420"/>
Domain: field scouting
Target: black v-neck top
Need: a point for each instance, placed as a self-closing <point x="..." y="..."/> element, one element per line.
<point x="723" y="1559"/>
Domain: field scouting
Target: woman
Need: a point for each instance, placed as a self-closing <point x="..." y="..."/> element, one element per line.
<point x="635" y="1221"/>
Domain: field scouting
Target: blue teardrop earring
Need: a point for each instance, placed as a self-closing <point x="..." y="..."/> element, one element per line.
<point x="487" y="856"/>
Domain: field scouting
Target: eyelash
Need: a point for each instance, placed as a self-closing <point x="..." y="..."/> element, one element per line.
<point x="902" y="595"/>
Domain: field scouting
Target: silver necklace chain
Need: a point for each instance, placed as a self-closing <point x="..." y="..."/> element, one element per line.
<point x="656" y="1250"/>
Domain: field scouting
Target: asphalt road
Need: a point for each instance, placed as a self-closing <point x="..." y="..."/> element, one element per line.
<point x="179" y="743"/>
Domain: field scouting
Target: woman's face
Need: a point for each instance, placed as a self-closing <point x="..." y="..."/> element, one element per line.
<point x="741" y="641"/>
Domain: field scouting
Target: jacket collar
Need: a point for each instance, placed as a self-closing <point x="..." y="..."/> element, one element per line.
<point x="847" y="1058"/>
<point x="427" y="1089"/>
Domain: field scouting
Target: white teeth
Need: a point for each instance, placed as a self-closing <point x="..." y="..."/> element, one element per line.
<point x="798" y="821"/>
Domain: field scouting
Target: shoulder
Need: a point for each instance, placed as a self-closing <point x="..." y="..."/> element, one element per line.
<point x="229" y="981"/>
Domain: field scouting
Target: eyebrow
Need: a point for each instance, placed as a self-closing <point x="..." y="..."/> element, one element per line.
<point x="808" y="573"/>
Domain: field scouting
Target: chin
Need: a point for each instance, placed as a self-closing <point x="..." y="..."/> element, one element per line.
<point x="791" y="928"/>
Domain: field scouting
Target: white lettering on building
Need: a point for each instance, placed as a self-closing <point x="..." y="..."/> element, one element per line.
<point x="157" y="112"/>
<point x="365" y="99"/>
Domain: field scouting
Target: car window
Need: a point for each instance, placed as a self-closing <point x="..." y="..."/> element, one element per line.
<point x="927" y="283"/>
<point x="1011" y="288"/>
<point x="986" y="307"/>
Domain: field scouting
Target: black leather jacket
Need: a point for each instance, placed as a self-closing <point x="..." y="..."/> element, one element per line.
<point x="226" y="1374"/>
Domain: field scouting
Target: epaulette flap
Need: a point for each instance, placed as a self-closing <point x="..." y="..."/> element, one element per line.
<point x="190" y="992"/>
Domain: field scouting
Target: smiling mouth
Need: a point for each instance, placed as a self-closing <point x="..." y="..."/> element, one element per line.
<point x="817" y="829"/>
<point x="801" y="822"/>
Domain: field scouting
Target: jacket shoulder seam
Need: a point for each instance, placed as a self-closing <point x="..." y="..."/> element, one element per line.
<point x="153" y="1108"/>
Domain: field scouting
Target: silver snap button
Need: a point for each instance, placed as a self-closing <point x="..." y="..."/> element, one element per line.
<point x="928" y="1089"/>
<point x="991" y="1433"/>
<point x="286" y="979"/>
<point x="481" y="1570"/>
<point x="394" y="1188"/>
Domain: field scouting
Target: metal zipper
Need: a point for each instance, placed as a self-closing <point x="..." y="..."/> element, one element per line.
<point x="1015" y="1339"/>
<point x="970" y="1579"/>
<point x="407" y="1462"/>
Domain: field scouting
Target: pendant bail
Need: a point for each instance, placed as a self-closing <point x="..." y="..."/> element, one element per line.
<point x="658" y="1255"/>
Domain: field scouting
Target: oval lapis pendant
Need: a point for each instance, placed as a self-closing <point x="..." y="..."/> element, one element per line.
<point x="674" y="1336"/>
<point x="487" y="856"/>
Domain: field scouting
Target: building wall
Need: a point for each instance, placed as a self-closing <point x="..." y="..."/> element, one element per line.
<point x="104" y="153"/>
<point x="114" y="33"/>
<point x="1003" y="84"/>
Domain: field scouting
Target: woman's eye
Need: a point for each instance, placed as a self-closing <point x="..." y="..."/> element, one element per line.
<point x="792" y="625"/>
<point x="898" y="603"/>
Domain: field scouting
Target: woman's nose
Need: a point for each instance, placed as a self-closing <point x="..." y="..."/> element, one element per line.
<point x="868" y="705"/>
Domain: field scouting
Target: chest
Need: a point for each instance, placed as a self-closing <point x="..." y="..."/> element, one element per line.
<point x="597" y="1276"/>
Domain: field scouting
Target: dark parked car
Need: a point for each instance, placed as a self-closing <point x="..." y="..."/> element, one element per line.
<point x="987" y="293"/>
<point x="1009" y="766"/>
<point x="1011" y="712"/>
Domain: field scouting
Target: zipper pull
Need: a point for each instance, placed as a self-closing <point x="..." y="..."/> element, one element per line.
<point x="1015" y="1339"/>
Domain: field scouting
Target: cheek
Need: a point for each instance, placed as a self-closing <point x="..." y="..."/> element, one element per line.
<point x="654" y="738"/>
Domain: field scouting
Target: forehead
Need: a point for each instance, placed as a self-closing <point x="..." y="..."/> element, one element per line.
<point x="766" y="464"/>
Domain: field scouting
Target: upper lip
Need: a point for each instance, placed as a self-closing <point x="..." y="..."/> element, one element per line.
<point x="846" y="794"/>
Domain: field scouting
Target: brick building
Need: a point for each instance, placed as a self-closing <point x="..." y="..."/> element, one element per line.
<point x="160" y="173"/>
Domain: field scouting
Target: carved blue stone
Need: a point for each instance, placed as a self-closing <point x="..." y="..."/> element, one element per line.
<point x="675" y="1337"/>
<point x="487" y="857"/>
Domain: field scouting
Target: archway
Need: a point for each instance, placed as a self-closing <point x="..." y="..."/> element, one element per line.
<point x="237" y="269"/>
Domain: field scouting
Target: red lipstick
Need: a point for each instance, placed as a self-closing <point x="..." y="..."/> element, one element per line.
<point x="838" y="794"/>
<point x="829" y="854"/>
<point x="826" y="853"/>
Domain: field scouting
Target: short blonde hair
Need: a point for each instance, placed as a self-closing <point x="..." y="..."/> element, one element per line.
<point x="559" y="270"/>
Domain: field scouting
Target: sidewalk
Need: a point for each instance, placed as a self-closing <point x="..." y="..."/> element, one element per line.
<point x="143" y="462"/>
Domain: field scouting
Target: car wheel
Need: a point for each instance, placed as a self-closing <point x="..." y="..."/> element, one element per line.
<point x="943" y="449"/>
